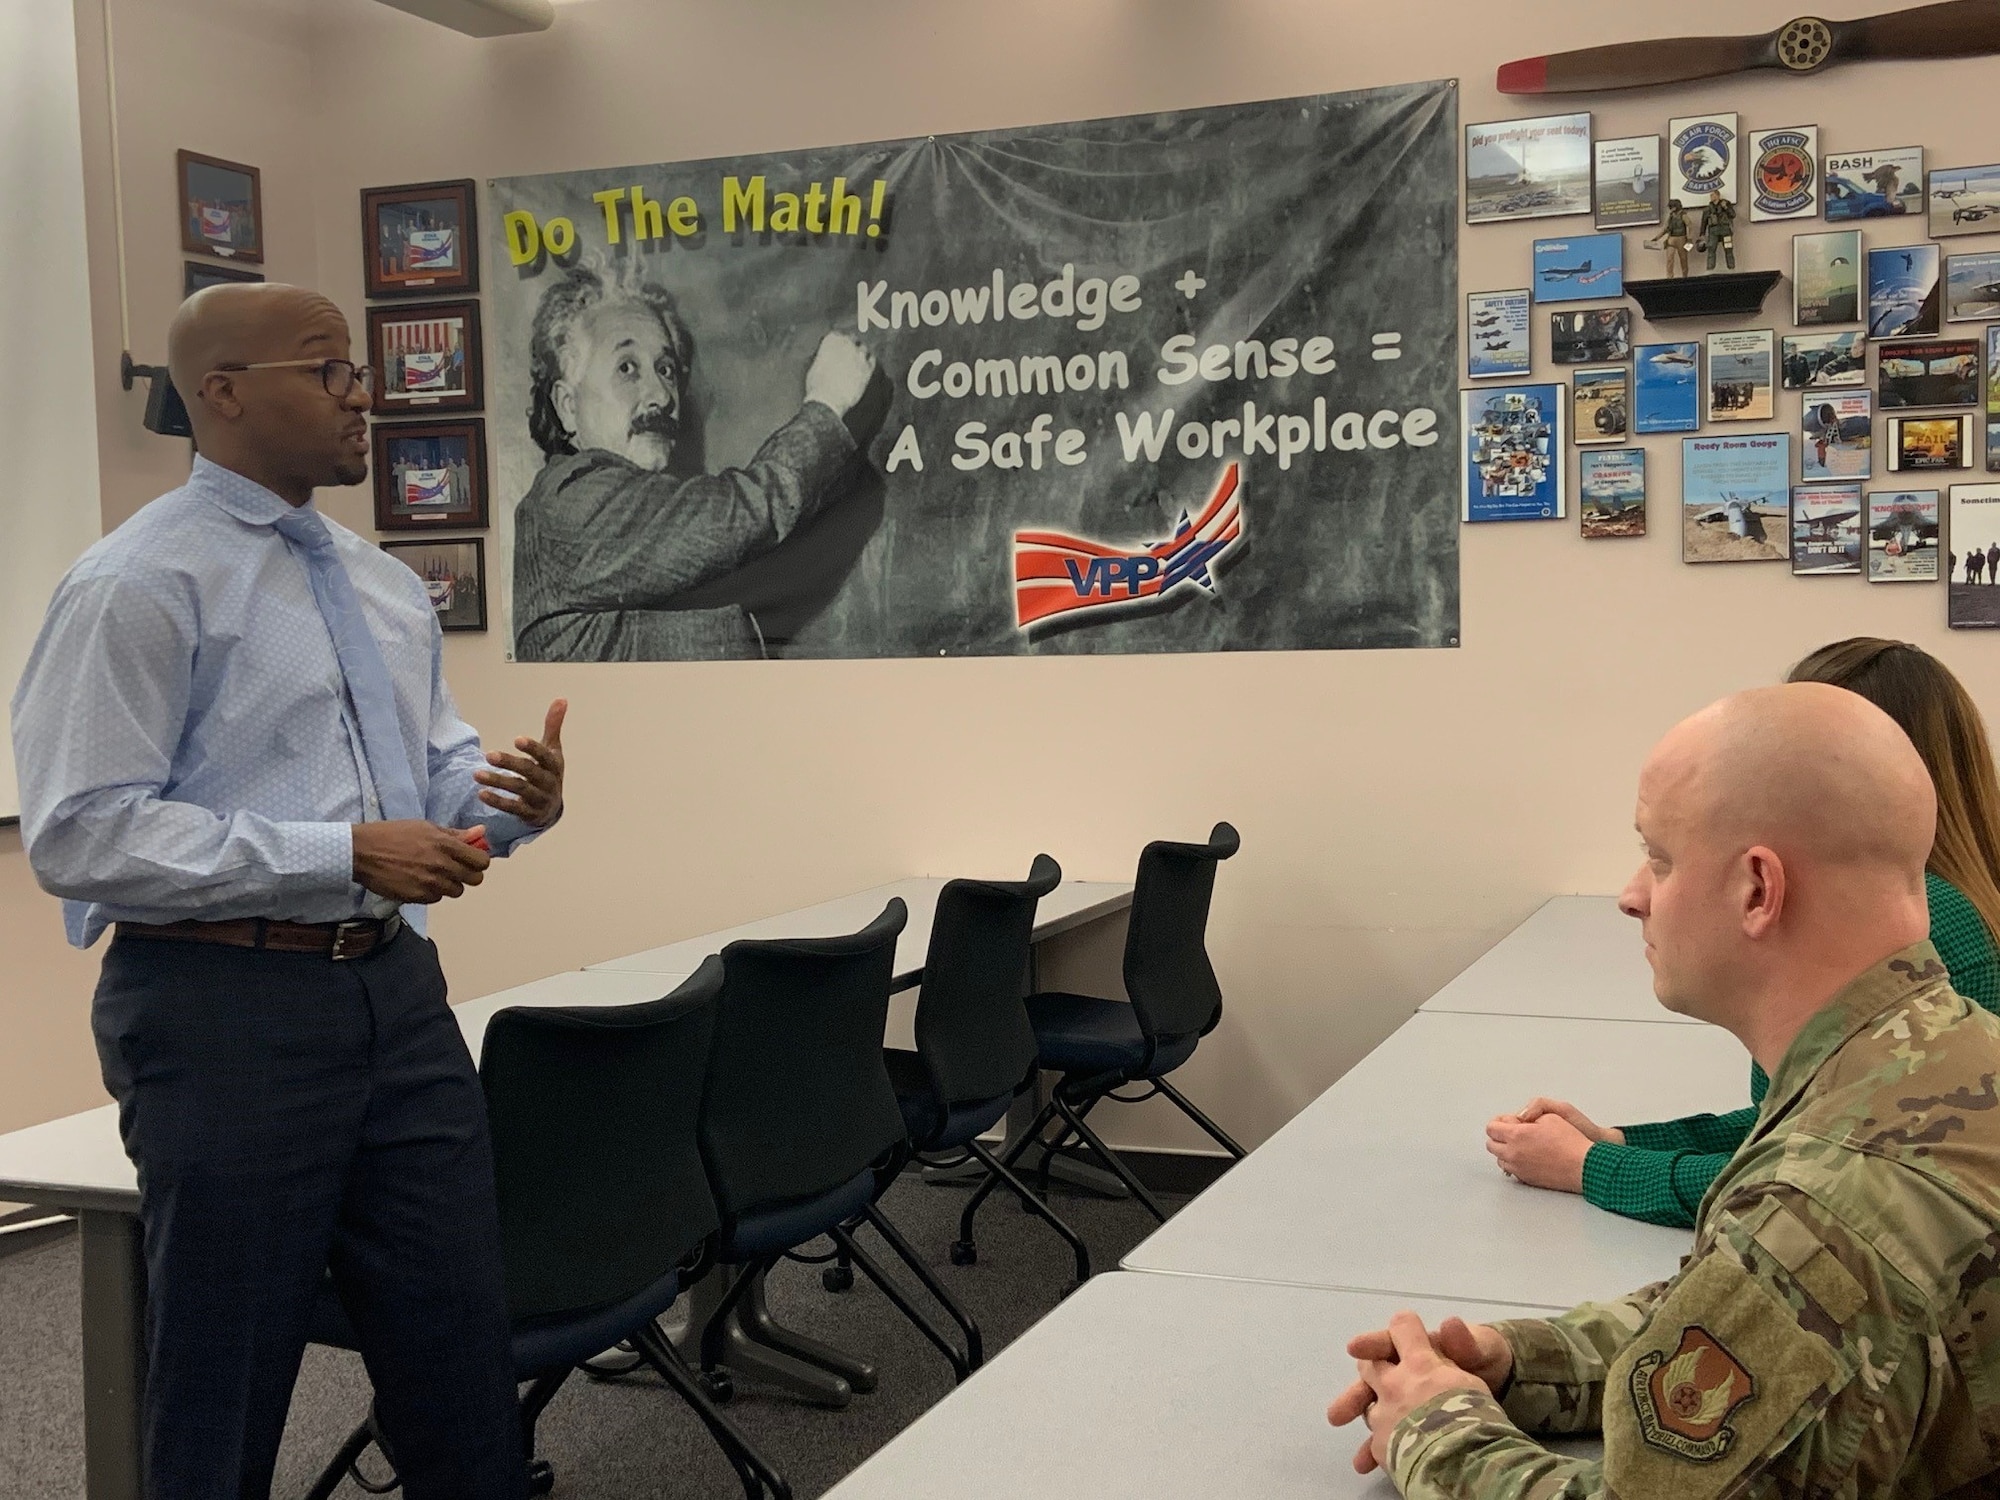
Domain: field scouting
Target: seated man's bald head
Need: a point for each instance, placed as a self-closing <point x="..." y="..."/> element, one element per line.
<point x="252" y="363"/>
<point x="1817" y="773"/>
<point x="1786" y="832"/>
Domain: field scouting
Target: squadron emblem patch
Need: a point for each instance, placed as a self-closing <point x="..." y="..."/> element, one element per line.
<point x="1685" y="1399"/>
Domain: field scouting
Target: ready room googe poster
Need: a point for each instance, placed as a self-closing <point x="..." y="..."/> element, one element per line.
<point x="1162" y="383"/>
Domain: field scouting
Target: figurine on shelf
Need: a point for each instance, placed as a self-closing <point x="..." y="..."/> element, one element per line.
<point x="1675" y="238"/>
<point x="1718" y="229"/>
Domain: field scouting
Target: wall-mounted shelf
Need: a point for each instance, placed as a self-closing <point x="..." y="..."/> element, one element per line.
<point x="1721" y="294"/>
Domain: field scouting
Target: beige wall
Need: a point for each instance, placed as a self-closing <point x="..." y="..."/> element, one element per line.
<point x="1399" y="810"/>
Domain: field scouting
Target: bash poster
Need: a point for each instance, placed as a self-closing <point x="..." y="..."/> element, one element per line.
<point x="1174" y="382"/>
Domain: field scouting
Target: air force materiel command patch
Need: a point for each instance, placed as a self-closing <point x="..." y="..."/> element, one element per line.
<point x="1685" y="1399"/>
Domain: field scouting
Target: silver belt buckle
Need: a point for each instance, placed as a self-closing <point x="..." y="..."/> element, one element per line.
<point x="341" y="933"/>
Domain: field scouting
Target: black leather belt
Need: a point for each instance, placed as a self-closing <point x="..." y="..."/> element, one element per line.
<point x="337" y="941"/>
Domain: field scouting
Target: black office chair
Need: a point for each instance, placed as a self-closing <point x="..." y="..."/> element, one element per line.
<point x="605" y="1207"/>
<point x="801" y="1134"/>
<point x="975" y="1048"/>
<point x="1101" y="1045"/>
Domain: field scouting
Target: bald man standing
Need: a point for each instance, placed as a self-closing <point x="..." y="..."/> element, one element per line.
<point x="237" y="751"/>
<point x="1836" y="1330"/>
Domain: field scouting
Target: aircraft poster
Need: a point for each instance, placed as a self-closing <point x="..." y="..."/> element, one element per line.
<point x="1826" y="529"/>
<point x="1837" y="435"/>
<point x="1611" y="492"/>
<point x="1496" y="334"/>
<point x="1162" y="383"/>
<point x="1736" y="498"/>
<point x="1972" y="287"/>
<point x="1667" y="388"/>
<point x="1964" y="200"/>
<point x="1740" y="376"/>
<point x="1903" y="536"/>
<point x="1527" y="169"/>
<point x="1584" y="268"/>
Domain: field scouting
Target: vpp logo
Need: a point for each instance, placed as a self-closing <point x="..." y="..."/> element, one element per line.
<point x="1056" y="574"/>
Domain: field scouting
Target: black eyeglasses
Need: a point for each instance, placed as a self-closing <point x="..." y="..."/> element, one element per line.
<point x="339" y="376"/>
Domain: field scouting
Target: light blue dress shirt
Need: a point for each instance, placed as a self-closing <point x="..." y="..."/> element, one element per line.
<point x="183" y="736"/>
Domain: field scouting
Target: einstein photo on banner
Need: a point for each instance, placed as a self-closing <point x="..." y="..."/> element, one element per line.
<point x="1180" y="382"/>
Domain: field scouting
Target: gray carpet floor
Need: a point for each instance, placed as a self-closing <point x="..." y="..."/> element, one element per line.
<point x="630" y="1438"/>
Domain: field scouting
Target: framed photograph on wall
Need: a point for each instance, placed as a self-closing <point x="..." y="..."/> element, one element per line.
<point x="1580" y="268"/>
<point x="1972" y="287"/>
<point x="1964" y="200"/>
<point x="1837" y="432"/>
<point x="426" y="357"/>
<point x="1826" y="278"/>
<point x="421" y="239"/>
<point x="222" y="207"/>
<point x="1973" y="582"/>
<point x="1611" y="492"/>
<point x="1993" y="398"/>
<point x="1902" y="536"/>
<point x="1736" y="498"/>
<point x="1902" y="291"/>
<point x="1601" y="400"/>
<point x="1824" y="361"/>
<point x="1527" y="169"/>
<point x="1928" y="372"/>
<point x="430" y="475"/>
<point x="196" y="275"/>
<point x="1626" y="176"/>
<point x="1593" y="336"/>
<point x="1873" y="184"/>
<point x="1740" y="376"/>
<point x="1826" y="529"/>
<point x="1496" y="335"/>
<point x="1511" y="461"/>
<point x="454" y="573"/>
<point x="1926" y="444"/>
<point x="1667" y="388"/>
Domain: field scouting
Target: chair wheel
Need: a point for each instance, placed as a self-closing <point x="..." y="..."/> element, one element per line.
<point x="837" y="1278"/>
<point x="964" y="1253"/>
<point x="541" y="1476"/>
<point x="718" y="1386"/>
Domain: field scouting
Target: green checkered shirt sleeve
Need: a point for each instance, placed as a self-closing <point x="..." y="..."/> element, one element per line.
<point x="1959" y="934"/>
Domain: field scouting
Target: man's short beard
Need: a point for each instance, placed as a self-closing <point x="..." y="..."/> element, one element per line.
<point x="350" y="471"/>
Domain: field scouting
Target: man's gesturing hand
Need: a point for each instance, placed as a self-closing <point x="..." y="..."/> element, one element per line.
<point x="1401" y="1367"/>
<point x="529" y="785"/>
<point x="1545" y="1144"/>
<point x="838" y="376"/>
<point x="413" y="861"/>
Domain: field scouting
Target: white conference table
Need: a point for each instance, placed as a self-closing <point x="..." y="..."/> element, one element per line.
<point x="78" y="1163"/>
<point x="1383" y="1183"/>
<point x="1144" y="1387"/>
<point x="1069" y="905"/>
<point x="1577" y="957"/>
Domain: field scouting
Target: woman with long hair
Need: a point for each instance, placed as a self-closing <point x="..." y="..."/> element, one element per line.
<point x="1659" y="1172"/>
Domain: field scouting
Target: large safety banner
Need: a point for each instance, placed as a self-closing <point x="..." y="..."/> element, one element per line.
<point x="1175" y="382"/>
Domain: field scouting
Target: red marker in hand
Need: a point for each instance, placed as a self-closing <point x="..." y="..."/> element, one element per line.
<point x="476" y="836"/>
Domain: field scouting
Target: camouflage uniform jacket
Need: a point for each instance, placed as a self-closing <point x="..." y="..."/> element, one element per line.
<point x="1833" y="1332"/>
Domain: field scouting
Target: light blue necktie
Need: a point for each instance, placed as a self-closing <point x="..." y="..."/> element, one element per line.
<point x="369" y="688"/>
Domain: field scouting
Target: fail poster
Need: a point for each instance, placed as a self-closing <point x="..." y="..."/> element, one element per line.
<point x="1175" y="382"/>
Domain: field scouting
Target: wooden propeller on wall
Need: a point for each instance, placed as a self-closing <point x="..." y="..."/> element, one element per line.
<point x="1957" y="28"/>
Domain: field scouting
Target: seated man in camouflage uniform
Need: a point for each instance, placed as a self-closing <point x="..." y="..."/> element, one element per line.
<point x="1834" y="1330"/>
